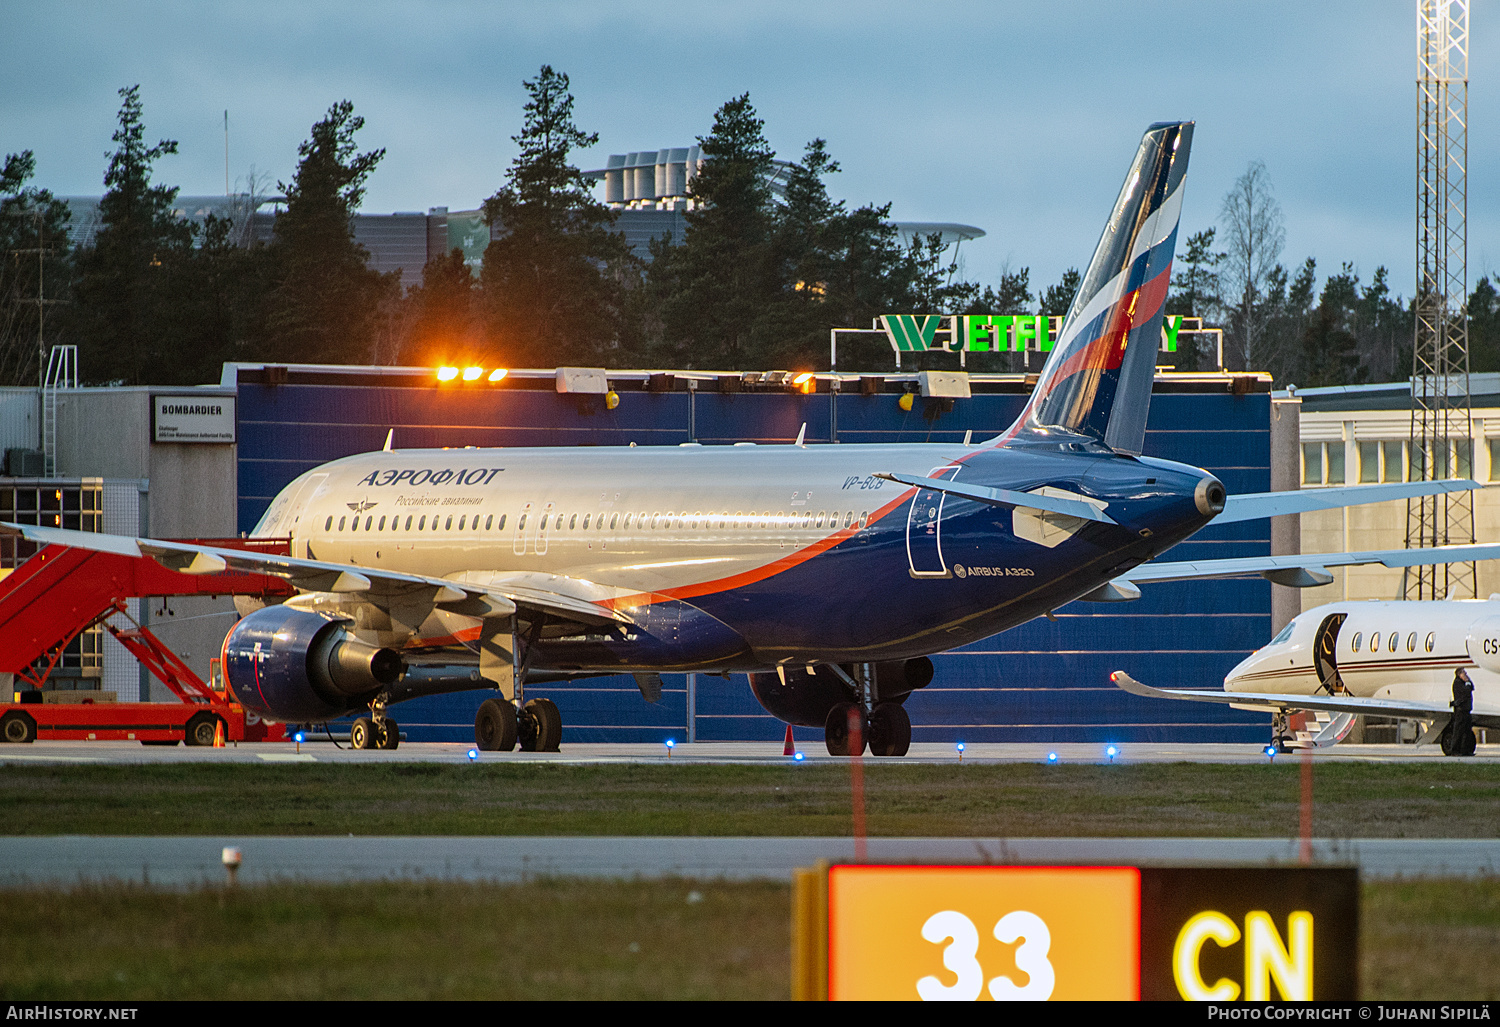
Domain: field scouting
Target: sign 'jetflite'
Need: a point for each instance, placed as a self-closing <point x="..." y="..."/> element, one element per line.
<point x="424" y="571"/>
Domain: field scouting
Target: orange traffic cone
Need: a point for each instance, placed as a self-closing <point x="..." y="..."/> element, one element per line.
<point x="789" y="748"/>
<point x="218" y="734"/>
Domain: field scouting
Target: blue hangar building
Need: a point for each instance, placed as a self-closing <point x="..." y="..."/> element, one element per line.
<point x="1046" y="681"/>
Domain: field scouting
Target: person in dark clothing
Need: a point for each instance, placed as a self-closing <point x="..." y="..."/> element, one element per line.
<point x="1458" y="737"/>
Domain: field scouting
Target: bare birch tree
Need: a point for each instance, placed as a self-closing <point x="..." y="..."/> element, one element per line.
<point x="1253" y="237"/>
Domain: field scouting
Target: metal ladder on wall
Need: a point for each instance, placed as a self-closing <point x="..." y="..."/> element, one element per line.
<point x="62" y="373"/>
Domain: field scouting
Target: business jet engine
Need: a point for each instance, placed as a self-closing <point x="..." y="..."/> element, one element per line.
<point x="805" y="699"/>
<point x="298" y="665"/>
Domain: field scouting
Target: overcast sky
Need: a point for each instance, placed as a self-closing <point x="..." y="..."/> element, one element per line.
<point x="1019" y="118"/>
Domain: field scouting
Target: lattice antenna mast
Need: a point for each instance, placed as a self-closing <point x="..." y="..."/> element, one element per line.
<point x="1441" y="420"/>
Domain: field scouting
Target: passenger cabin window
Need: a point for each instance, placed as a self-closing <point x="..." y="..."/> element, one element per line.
<point x="521" y="524"/>
<point x="422" y="524"/>
<point x="341" y="524"/>
<point x="489" y="521"/>
<point x="1395" y="635"/>
<point x="449" y="525"/>
<point x="461" y="521"/>
<point x="382" y="524"/>
<point x="328" y="523"/>
<point x="586" y="521"/>
<point x="572" y="522"/>
<point x="1411" y="642"/>
<point x="368" y="521"/>
<point x="501" y="525"/>
<point x="1358" y="637"/>
<point x="1431" y="640"/>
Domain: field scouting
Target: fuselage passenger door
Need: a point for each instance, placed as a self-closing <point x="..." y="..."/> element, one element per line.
<point x="1325" y="653"/>
<point x="924" y="542"/>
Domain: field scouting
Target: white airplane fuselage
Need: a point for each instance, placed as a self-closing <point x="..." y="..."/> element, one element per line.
<point x="1396" y="650"/>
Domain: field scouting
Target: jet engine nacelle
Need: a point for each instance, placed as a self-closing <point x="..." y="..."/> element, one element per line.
<point x="1483" y="643"/>
<point x="806" y="699"/>
<point x="293" y="665"/>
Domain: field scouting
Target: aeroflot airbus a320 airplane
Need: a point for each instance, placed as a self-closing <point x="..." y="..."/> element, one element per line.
<point x="423" y="571"/>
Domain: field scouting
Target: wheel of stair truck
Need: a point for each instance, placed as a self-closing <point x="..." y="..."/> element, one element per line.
<point x="836" y="729"/>
<point x="542" y="719"/>
<point x="200" y="729"/>
<point x="362" y="734"/>
<point x="890" y="730"/>
<point x="17" y="726"/>
<point x="387" y="733"/>
<point x="495" y="726"/>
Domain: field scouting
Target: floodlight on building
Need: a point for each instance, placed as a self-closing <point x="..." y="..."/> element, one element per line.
<point x="498" y="374"/>
<point x="804" y="381"/>
<point x="471" y="374"/>
<point x="447" y="374"/>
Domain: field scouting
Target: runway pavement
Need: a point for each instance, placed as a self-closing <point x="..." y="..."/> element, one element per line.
<point x="706" y="752"/>
<point x="190" y="861"/>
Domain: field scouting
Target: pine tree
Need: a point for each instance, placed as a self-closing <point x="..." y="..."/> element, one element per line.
<point x="33" y="243"/>
<point x="323" y="307"/>
<point x="123" y="295"/>
<point x="555" y="278"/>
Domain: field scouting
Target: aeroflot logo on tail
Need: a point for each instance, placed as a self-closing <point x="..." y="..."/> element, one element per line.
<point x="428" y="476"/>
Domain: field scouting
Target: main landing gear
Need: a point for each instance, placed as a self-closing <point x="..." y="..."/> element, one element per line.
<point x="882" y="726"/>
<point x="377" y="731"/>
<point x="499" y="726"/>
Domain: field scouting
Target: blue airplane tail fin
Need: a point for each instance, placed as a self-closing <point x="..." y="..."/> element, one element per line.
<point x="1097" y="380"/>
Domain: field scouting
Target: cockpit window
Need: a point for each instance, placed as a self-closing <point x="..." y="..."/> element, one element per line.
<point x="1284" y="634"/>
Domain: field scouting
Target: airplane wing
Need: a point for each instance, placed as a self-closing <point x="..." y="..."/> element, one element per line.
<point x="461" y="596"/>
<point x="1410" y="709"/>
<point x="1254" y="505"/>
<point x="1307" y="569"/>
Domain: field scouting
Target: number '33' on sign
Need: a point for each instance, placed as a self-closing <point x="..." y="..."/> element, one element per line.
<point x="913" y="932"/>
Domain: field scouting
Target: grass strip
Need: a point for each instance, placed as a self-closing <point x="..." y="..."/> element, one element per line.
<point x="558" y="939"/>
<point x="1353" y="800"/>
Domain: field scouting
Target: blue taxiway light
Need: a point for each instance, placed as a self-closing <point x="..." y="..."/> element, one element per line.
<point x="1111" y="752"/>
<point x="798" y="757"/>
<point x="473" y="754"/>
<point x="1052" y="757"/>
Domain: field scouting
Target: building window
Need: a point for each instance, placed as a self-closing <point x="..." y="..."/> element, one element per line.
<point x="1322" y="463"/>
<point x="1369" y="461"/>
<point x="1392" y="463"/>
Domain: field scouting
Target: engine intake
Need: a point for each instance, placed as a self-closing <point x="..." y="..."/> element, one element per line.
<point x="291" y="665"/>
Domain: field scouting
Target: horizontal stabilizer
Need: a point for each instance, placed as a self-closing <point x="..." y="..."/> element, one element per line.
<point x="1408" y="709"/>
<point x="1007" y="497"/>
<point x="1283" y="570"/>
<point x="1252" y="506"/>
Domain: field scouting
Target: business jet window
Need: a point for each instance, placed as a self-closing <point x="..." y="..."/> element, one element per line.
<point x="864" y="519"/>
<point x="1411" y="642"/>
<point x="328" y="523"/>
<point x="1354" y="645"/>
<point x="1431" y="640"/>
<point x="1395" y="636"/>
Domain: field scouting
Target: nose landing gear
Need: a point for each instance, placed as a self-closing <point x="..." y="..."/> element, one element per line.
<point x="377" y="731"/>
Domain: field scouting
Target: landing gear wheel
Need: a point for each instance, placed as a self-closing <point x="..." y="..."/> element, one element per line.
<point x="16" y="726"/>
<point x="200" y="729"/>
<point x="890" y="730"/>
<point x="387" y="733"/>
<point x="495" y="726"/>
<point x="836" y="729"/>
<point x="362" y="734"/>
<point x="540" y="726"/>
